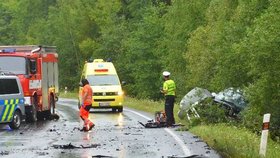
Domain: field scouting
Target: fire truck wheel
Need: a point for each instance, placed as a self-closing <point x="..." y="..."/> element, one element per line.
<point x="52" y="108"/>
<point x="16" y="122"/>
<point x="52" y="102"/>
<point x="32" y="114"/>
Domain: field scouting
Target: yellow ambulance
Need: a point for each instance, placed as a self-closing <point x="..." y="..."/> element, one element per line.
<point x="104" y="81"/>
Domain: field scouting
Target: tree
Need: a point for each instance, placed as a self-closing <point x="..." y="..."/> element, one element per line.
<point x="182" y="18"/>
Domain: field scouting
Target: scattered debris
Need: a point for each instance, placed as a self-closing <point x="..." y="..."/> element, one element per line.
<point x="70" y="146"/>
<point x="192" y="156"/>
<point x="99" y="156"/>
<point x="152" y="124"/>
<point x="42" y="153"/>
<point x="91" y="146"/>
<point x="4" y="153"/>
<point x="199" y="140"/>
<point x="54" y="117"/>
<point x="52" y="130"/>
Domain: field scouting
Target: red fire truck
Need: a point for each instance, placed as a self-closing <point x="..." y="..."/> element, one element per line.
<point x="37" y="68"/>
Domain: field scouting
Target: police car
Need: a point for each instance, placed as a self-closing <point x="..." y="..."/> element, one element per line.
<point x="12" y="109"/>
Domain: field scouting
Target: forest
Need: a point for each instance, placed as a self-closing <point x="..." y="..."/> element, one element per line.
<point x="212" y="44"/>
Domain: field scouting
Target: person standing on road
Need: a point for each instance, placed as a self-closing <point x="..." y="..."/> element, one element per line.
<point x="168" y="90"/>
<point x="86" y="105"/>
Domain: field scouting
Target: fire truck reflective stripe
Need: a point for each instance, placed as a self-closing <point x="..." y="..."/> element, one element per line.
<point x="11" y="113"/>
<point x="5" y="113"/>
<point x="6" y="102"/>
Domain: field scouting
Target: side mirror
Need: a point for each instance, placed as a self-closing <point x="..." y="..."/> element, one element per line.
<point x="123" y="83"/>
<point x="33" y="66"/>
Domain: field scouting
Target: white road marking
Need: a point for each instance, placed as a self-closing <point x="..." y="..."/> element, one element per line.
<point x="186" y="151"/>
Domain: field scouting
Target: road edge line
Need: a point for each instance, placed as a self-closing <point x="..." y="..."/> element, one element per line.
<point x="177" y="139"/>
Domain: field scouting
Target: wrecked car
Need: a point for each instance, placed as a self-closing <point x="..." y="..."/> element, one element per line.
<point x="231" y="99"/>
<point x="190" y="100"/>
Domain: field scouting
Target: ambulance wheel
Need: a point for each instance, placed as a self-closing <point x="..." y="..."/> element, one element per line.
<point x="16" y="122"/>
<point x="79" y="104"/>
<point x="120" y="109"/>
<point x="114" y="109"/>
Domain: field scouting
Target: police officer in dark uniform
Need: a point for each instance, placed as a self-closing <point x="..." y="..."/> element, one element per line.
<point x="168" y="90"/>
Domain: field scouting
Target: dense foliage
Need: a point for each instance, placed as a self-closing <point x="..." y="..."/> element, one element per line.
<point x="213" y="44"/>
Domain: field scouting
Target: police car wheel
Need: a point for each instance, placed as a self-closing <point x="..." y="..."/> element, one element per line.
<point x="16" y="122"/>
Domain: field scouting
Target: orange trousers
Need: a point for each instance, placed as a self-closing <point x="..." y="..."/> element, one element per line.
<point x="84" y="113"/>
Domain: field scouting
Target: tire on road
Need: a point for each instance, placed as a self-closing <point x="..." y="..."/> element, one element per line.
<point x="48" y="114"/>
<point x="16" y="122"/>
<point x="120" y="109"/>
<point x="31" y="115"/>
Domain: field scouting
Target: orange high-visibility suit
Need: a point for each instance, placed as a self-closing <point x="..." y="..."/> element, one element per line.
<point x="86" y="105"/>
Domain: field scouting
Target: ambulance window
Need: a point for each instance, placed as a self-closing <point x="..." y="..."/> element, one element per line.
<point x="8" y="86"/>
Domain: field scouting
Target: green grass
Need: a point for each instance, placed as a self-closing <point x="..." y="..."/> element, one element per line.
<point x="228" y="140"/>
<point x="71" y="95"/>
<point x="234" y="142"/>
<point x="150" y="106"/>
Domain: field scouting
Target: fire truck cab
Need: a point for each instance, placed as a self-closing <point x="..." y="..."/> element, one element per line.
<point x="37" y="69"/>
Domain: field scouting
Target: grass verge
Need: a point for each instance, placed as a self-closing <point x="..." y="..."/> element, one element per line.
<point x="70" y="95"/>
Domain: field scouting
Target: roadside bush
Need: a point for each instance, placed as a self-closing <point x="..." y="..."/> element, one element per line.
<point x="210" y="113"/>
<point x="251" y="119"/>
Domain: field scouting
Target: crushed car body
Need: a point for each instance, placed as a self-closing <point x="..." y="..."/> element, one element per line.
<point x="231" y="99"/>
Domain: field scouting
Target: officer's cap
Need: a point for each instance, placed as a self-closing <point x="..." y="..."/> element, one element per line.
<point x="166" y="73"/>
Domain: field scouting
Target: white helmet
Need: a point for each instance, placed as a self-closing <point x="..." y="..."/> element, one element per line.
<point x="166" y="73"/>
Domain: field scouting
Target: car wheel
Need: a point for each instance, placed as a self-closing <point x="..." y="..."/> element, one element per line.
<point x="16" y="122"/>
<point x="120" y="109"/>
<point x="79" y="104"/>
<point x="114" y="109"/>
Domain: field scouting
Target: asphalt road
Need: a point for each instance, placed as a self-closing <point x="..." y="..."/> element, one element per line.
<point x="115" y="135"/>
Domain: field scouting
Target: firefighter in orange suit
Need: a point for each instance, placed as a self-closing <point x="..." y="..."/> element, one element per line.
<point x="86" y="105"/>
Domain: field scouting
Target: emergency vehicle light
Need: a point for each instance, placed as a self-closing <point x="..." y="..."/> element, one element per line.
<point x="101" y="70"/>
<point x="8" y="50"/>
